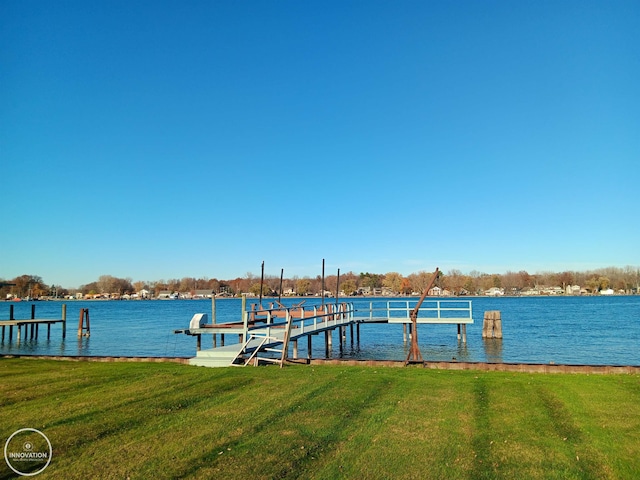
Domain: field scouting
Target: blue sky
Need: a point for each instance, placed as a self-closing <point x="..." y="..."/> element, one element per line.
<point x="158" y="140"/>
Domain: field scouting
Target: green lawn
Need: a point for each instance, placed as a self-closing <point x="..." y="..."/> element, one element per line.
<point x="164" y="420"/>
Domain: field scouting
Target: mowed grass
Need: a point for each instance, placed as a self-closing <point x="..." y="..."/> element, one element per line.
<point x="164" y="420"/>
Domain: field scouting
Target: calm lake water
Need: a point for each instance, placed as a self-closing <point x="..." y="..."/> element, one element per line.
<point x="566" y="330"/>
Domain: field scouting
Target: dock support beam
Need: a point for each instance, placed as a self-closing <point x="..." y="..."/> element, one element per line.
<point x="309" y="346"/>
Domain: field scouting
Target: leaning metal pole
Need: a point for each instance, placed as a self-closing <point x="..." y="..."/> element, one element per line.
<point x="414" y="351"/>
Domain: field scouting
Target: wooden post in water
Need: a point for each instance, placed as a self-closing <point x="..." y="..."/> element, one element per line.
<point x="34" y="327"/>
<point x="309" y="346"/>
<point x="84" y="329"/>
<point x="492" y="324"/>
<point x="64" y="320"/>
<point x="11" y="326"/>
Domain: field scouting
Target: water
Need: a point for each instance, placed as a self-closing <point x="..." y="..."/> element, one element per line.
<point x="564" y="330"/>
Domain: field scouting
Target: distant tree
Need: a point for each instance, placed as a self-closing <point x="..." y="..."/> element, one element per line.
<point x="564" y="279"/>
<point x="371" y="280"/>
<point x="350" y="276"/>
<point x="348" y="286"/>
<point x="240" y="285"/>
<point x="454" y="281"/>
<point x="393" y="281"/>
<point x="255" y="289"/>
<point x="29" y="285"/>
<point x="187" y="284"/>
<point x="603" y="283"/>
<point x="89" y="289"/>
<point x="405" y="288"/>
<point x="108" y="284"/>
<point x="173" y="285"/>
<point x="420" y="281"/>
<point x="524" y="280"/>
<point x="331" y="282"/>
<point x="593" y="284"/>
<point x="302" y="286"/>
<point x="470" y="286"/>
<point x="212" y="284"/>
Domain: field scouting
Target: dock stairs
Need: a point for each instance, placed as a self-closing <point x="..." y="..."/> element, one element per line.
<point x="261" y="345"/>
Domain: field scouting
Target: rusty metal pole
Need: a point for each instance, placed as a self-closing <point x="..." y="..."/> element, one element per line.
<point x="414" y="350"/>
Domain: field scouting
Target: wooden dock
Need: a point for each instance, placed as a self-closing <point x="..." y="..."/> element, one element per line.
<point x="31" y="325"/>
<point x="266" y="335"/>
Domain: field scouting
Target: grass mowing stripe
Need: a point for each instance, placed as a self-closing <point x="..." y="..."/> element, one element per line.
<point x="482" y="432"/>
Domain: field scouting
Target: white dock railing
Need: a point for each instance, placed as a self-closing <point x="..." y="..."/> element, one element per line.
<point x="431" y="311"/>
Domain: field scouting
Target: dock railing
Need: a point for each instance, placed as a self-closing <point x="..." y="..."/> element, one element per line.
<point x="431" y="311"/>
<point x="304" y="320"/>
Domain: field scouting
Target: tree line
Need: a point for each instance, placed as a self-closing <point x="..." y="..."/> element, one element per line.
<point x="625" y="279"/>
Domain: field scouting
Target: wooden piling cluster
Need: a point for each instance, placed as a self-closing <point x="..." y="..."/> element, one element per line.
<point x="492" y="324"/>
<point x="31" y="325"/>
<point x="84" y="328"/>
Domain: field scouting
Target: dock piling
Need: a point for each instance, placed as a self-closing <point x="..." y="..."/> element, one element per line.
<point x="492" y="324"/>
<point x="84" y="329"/>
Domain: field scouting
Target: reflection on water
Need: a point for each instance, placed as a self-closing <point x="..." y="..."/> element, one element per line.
<point x="493" y="349"/>
<point x="84" y="346"/>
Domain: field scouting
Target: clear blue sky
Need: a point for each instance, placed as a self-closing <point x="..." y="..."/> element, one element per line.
<point x="158" y="140"/>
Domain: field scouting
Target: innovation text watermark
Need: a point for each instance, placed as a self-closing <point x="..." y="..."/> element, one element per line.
<point x="28" y="452"/>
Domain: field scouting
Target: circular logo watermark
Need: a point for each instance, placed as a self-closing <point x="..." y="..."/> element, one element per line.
<point x="28" y="451"/>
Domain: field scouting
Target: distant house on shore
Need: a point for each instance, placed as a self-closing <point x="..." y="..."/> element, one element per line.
<point x="494" y="292"/>
<point x="164" y="295"/>
<point x="144" y="293"/>
<point x="202" y="293"/>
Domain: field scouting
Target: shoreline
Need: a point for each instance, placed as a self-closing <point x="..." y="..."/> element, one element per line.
<point x="549" y="368"/>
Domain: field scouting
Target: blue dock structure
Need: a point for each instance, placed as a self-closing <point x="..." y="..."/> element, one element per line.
<point x="267" y="335"/>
